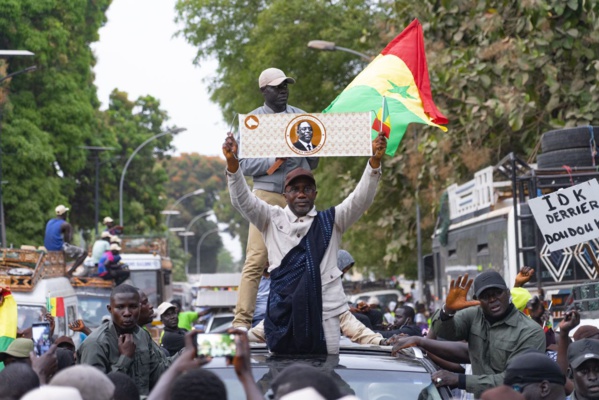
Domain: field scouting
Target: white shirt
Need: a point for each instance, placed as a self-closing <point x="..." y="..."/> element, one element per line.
<point x="282" y="230"/>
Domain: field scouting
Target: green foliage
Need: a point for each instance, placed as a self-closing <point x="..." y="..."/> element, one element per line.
<point x="49" y="113"/>
<point x="502" y="71"/>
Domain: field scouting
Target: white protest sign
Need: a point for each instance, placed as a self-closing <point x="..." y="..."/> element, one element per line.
<point x="301" y="135"/>
<point x="568" y="216"/>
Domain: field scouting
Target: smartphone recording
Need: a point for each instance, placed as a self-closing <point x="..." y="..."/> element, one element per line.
<point x="215" y="344"/>
<point x="41" y="337"/>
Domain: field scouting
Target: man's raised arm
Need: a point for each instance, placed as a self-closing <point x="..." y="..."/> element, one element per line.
<point x="252" y="208"/>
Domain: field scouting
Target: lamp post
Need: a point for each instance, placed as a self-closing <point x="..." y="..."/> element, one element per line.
<point x="178" y="201"/>
<point x="200" y="245"/>
<point x="7" y="54"/>
<point x="169" y="132"/>
<point x="185" y="235"/>
<point x="197" y="217"/>
<point x="96" y="150"/>
<point x="331" y="46"/>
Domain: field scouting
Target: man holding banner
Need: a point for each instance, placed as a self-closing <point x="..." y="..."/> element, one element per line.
<point x="302" y="249"/>
<point x="268" y="175"/>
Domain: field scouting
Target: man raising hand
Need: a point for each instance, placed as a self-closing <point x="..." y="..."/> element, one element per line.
<point x="494" y="329"/>
<point x="302" y="246"/>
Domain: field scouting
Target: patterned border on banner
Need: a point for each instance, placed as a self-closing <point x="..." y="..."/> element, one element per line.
<point x="333" y="135"/>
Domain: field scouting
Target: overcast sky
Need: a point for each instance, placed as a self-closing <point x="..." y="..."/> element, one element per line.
<point x="138" y="54"/>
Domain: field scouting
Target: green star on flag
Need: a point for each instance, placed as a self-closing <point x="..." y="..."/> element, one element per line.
<point x="400" y="75"/>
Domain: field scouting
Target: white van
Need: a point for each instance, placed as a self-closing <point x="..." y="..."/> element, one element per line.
<point x="31" y="306"/>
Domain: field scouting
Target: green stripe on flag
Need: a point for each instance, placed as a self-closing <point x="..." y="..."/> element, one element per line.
<point x="360" y="98"/>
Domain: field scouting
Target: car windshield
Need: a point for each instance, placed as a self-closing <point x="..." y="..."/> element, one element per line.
<point x="92" y="309"/>
<point x="27" y="315"/>
<point x="367" y="384"/>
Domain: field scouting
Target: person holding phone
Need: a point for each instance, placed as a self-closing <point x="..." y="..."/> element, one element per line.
<point x="302" y="246"/>
<point x="121" y="345"/>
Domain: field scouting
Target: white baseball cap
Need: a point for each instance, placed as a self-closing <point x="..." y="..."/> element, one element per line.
<point x="106" y="234"/>
<point x="61" y="210"/>
<point x="115" y="246"/>
<point x="163" y="307"/>
<point x="273" y="77"/>
<point x="107" y="220"/>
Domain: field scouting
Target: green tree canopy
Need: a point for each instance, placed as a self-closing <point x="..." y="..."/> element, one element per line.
<point x="502" y="71"/>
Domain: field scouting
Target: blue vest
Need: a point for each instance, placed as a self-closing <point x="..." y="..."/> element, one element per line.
<point x="53" y="240"/>
<point x="293" y="323"/>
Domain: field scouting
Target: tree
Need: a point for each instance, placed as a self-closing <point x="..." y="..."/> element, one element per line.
<point x="47" y="114"/>
<point x="502" y="71"/>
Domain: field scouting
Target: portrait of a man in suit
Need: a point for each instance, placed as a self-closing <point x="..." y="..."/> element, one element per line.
<point x="304" y="134"/>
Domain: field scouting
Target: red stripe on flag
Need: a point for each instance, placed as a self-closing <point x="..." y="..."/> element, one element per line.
<point x="60" y="307"/>
<point x="409" y="47"/>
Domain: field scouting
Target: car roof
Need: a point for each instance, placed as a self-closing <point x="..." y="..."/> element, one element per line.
<point x="368" y="371"/>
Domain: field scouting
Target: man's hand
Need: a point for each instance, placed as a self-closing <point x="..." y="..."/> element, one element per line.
<point x="458" y="291"/>
<point x="379" y="145"/>
<point x="404" y="342"/>
<point x="570" y="321"/>
<point x="127" y="345"/>
<point x="188" y="358"/>
<point x="46" y="365"/>
<point x="242" y="359"/>
<point x="230" y="149"/>
<point x="48" y="317"/>
<point x="445" y="378"/>
<point x="525" y="274"/>
<point x="79" y="326"/>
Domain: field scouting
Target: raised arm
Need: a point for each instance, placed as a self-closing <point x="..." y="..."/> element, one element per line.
<point x="252" y="208"/>
<point x="352" y="208"/>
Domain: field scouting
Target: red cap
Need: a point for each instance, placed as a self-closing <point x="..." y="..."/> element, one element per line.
<point x="296" y="173"/>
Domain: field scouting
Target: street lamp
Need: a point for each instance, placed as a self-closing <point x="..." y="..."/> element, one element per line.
<point x="200" y="245"/>
<point x="185" y="235"/>
<point x="331" y="46"/>
<point x="96" y="150"/>
<point x="197" y="217"/>
<point x="173" y="131"/>
<point x="178" y="201"/>
<point x="7" y="54"/>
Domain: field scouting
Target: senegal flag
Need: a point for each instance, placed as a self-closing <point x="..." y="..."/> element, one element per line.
<point x="399" y="75"/>
<point x="8" y="319"/>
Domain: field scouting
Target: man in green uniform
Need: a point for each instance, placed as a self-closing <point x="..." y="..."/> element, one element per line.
<point x="121" y="345"/>
<point x="494" y="329"/>
<point x="583" y="357"/>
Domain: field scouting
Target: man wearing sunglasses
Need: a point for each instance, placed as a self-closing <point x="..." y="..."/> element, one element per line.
<point x="491" y="325"/>
<point x="306" y="296"/>
<point x="268" y="175"/>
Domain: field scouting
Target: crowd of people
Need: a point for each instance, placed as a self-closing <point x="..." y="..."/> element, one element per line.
<point x="291" y="297"/>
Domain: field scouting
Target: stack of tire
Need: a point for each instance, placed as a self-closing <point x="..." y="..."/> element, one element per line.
<point x="572" y="147"/>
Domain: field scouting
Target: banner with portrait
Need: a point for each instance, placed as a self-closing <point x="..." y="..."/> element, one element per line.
<point x="305" y="135"/>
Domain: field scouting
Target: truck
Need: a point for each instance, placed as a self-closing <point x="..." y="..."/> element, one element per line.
<point x="150" y="269"/>
<point x="218" y="292"/>
<point x="486" y="223"/>
<point x="36" y="278"/>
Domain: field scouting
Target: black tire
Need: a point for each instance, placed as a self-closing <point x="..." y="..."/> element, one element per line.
<point x="571" y="157"/>
<point x="569" y="138"/>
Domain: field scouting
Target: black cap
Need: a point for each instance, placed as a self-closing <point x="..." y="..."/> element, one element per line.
<point x="583" y="350"/>
<point x="488" y="279"/>
<point x="533" y="366"/>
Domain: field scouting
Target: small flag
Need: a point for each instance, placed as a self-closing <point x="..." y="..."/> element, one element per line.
<point x="56" y="306"/>
<point x="8" y="319"/>
<point x="382" y="122"/>
<point x="400" y="74"/>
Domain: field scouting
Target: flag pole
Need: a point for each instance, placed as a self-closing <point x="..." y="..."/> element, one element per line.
<point x="382" y="116"/>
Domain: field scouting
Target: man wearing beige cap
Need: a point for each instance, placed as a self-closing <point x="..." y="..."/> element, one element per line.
<point x="269" y="178"/>
<point x="59" y="234"/>
<point x="110" y="266"/>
